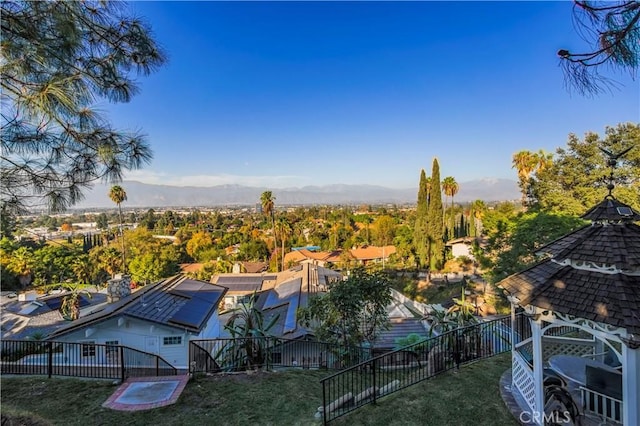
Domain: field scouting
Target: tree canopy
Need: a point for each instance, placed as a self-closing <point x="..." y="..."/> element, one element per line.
<point x="435" y="220"/>
<point x="612" y="30"/>
<point x="577" y="177"/>
<point x="58" y="59"/>
<point x="352" y="312"/>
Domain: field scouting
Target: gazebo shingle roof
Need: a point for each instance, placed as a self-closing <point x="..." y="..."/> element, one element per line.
<point x="593" y="272"/>
<point x="611" y="210"/>
<point x="612" y="299"/>
<point x="617" y="245"/>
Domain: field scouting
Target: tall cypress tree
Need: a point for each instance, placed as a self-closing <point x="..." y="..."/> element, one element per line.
<point x="472" y="222"/>
<point x="435" y="220"/>
<point x="420" y="235"/>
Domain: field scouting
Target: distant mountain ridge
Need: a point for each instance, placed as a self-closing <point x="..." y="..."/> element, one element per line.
<point x="149" y="195"/>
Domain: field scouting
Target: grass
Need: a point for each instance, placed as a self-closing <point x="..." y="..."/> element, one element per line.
<point x="469" y="396"/>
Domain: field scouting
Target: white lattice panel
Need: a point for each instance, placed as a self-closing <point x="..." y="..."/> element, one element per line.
<point x="522" y="380"/>
<point x="559" y="346"/>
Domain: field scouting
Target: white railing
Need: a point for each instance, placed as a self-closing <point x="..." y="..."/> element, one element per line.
<point x="606" y="407"/>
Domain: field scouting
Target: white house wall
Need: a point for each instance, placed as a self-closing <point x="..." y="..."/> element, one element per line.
<point x="458" y="250"/>
<point x="141" y="335"/>
<point x="136" y="334"/>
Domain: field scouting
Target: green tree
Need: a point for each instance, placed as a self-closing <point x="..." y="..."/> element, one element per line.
<point x="577" y="178"/>
<point x="250" y="330"/>
<point x="283" y="228"/>
<point x="151" y="267"/>
<point x="22" y="263"/>
<point x="352" y="312"/>
<point x="385" y="230"/>
<point x="82" y="268"/>
<point x="612" y="30"/>
<point x="435" y="220"/>
<point x="118" y="196"/>
<point x="7" y="221"/>
<point x="70" y="307"/>
<point x="450" y="188"/>
<point x="107" y="259"/>
<point x="421" y="230"/>
<point x="525" y="163"/>
<point x="478" y="209"/>
<point x="198" y="243"/>
<point x="102" y="222"/>
<point x="267" y="200"/>
<point x="58" y="58"/>
<point x="514" y="240"/>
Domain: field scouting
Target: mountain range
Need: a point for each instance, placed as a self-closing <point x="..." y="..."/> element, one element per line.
<point x="148" y="195"/>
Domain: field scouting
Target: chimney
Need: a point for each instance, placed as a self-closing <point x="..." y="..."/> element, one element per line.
<point x="118" y="288"/>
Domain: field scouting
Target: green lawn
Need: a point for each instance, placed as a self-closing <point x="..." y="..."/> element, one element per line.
<point x="469" y="396"/>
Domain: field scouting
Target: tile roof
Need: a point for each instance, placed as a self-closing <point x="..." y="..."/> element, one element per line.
<point x="161" y="303"/>
<point x="372" y="252"/>
<point x="186" y="268"/>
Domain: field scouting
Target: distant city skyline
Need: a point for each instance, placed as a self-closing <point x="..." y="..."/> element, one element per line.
<point x="290" y="94"/>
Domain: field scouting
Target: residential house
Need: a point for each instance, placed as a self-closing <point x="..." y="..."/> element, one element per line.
<point x="365" y="255"/>
<point x="160" y="318"/>
<point x="313" y="278"/>
<point x="28" y="314"/>
<point x="461" y="247"/>
<point x="279" y="295"/>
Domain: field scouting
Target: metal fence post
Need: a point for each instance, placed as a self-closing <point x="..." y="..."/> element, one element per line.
<point x="373" y="385"/>
<point x="157" y="366"/>
<point x="50" y="360"/>
<point x="324" y="403"/>
<point x="122" y="367"/>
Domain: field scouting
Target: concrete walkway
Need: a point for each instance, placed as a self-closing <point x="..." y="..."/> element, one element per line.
<point x="145" y="393"/>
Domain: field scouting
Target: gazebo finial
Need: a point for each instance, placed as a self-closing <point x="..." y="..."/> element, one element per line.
<point x="612" y="163"/>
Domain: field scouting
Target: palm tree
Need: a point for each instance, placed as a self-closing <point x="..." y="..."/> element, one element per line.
<point x="525" y="163"/>
<point x="21" y="262"/>
<point x="268" y="206"/>
<point x="118" y="195"/>
<point x="82" y="268"/>
<point x="544" y="160"/>
<point x="250" y="332"/>
<point x="478" y="207"/>
<point x="450" y="188"/>
<point x="284" y="230"/>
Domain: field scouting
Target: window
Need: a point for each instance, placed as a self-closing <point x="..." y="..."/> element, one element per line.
<point x="111" y="346"/>
<point x="88" y="349"/>
<point x="172" y="340"/>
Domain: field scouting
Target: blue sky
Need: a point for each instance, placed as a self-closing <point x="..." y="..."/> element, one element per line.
<point x="289" y="94"/>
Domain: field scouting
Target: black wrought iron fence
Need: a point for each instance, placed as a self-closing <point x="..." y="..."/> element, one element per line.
<point x="94" y="360"/>
<point x="237" y="354"/>
<point x="367" y="381"/>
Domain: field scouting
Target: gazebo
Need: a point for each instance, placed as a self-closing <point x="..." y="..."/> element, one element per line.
<point x="582" y="302"/>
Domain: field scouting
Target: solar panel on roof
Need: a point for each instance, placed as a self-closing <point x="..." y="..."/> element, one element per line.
<point x="624" y="211"/>
<point x="209" y="296"/>
<point x="190" y="285"/>
<point x="192" y="314"/>
<point x="55" y="302"/>
<point x="290" y="320"/>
